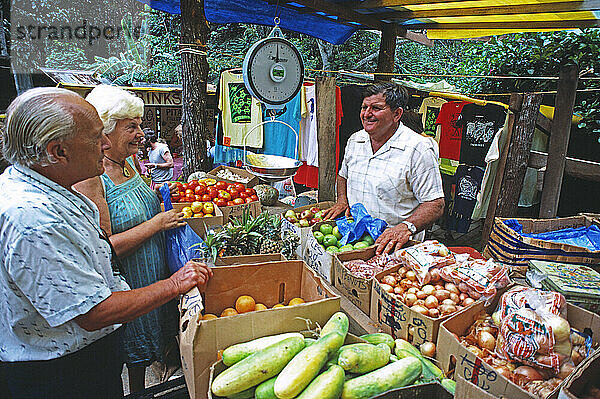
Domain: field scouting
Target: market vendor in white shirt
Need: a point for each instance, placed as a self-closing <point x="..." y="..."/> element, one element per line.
<point x="391" y="170"/>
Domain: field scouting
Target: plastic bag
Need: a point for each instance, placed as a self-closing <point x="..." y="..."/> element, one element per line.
<point x="533" y="328"/>
<point x="363" y="222"/>
<point x="425" y="256"/>
<point x="586" y="237"/>
<point x="179" y="242"/>
<point x="476" y="277"/>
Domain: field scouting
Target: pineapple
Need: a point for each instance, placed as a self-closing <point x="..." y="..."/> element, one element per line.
<point x="272" y="242"/>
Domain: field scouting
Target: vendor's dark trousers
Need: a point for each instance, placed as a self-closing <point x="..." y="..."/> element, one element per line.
<point x="93" y="372"/>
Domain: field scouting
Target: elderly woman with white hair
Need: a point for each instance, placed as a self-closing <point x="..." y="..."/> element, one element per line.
<point x="130" y="213"/>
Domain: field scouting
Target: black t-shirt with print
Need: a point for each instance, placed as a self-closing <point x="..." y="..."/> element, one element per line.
<point x="480" y="124"/>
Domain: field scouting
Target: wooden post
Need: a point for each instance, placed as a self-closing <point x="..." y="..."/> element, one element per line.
<point x="518" y="156"/>
<point x="387" y="53"/>
<point x="325" y="95"/>
<point x="514" y="106"/>
<point x="559" y="140"/>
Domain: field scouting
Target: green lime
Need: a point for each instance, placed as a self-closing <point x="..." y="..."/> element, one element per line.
<point x="336" y="233"/>
<point x="332" y="249"/>
<point x="326" y="229"/>
<point x="368" y="239"/>
<point x="329" y="240"/>
<point x="360" y="245"/>
<point x="347" y="247"/>
<point x="319" y="236"/>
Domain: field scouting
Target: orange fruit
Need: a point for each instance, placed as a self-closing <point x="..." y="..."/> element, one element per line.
<point x="279" y="305"/>
<point x="229" y="312"/>
<point x="296" y="301"/>
<point x="244" y="304"/>
<point x="209" y="316"/>
<point x="259" y="306"/>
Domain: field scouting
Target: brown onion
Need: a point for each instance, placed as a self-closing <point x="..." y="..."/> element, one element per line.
<point x="462" y="296"/>
<point x="496" y="318"/>
<point x="452" y="288"/>
<point x="468" y="301"/>
<point x="565" y="370"/>
<point x="411" y="275"/>
<point x="438" y="287"/>
<point x="398" y="290"/>
<point x="560" y="327"/>
<point x="525" y="374"/>
<point x="442" y="294"/>
<point x="504" y="372"/>
<point x="455" y="298"/>
<point x="387" y="288"/>
<point x="412" y="290"/>
<point x="459" y="308"/>
<point x="420" y="302"/>
<point x="563" y="347"/>
<point x="487" y="340"/>
<point x="402" y="272"/>
<point x="447" y="309"/>
<point x="431" y="302"/>
<point x="448" y="302"/>
<point x="390" y="280"/>
<point x="478" y="352"/>
<point x="435" y="275"/>
<point x="434" y="313"/>
<point x="421" y="295"/>
<point x="420" y="309"/>
<point x="576" y="357"/>
<point x="410" y="299"/>
<point x="427" y="349"/>
<point x="462" y="287"/>
<point x="428" y="289"/>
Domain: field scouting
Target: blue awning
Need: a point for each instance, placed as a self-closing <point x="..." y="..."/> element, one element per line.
<point x="262" y="13"/>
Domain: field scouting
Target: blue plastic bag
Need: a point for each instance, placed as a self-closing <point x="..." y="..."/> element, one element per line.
<point x="586" y="237"/>
<point x="179" y="241"/>
<point x="363" y="222"/>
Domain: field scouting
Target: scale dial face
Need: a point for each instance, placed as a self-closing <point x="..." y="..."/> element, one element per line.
<point x="274" y="71"/>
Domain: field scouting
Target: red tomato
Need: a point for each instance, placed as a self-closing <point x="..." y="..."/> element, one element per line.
<point x="181" y="193"/>
<point x="198" y="198"/>
<point x="190" y="198"/>
<point x="193" y="184"/>
<point x="220" y="202"/>
<point x="248" y="200"/>
<point x="254" y="197"/>
<point x="244" y="195"/>
<point x="206" y="198"/>
<point x="238" y="201"/>
<point x="184" y="186"/>
<point x="250" y="191"/>
<point x="179" y="185"/>
<point x="233" y="192"/>
<point x="225" y="195"/>
<point x="175" y="198"/>
<point x="189" y="191"/>
<point x="200" y="189"/>
<point x="230" y="203"/>
<point x="240" y="187"/>
<point x="221" y="185"/>
<point x="212" y="191"/>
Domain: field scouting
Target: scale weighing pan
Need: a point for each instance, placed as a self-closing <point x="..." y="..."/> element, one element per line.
<point x="274" y="167"/>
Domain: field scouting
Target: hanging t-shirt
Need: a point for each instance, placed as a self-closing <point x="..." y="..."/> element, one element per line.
<point x="451" y="131"/>
<point x="480" y="124"/>
<point x="468" y="182"/>
<point x="240" y="112"/>
<point x="430" y="109"/>
<point x="279" y="139"/>
<point x="309" y="143"/>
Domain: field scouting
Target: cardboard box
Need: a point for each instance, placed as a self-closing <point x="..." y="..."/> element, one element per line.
<point x="467" y="390"/>
<point x="302" y="232"/>
<point x="199" y="225"/>
<point x="218" y="367"/>
<point x="356" y="289"/>
<point x="249" y="259"/>
<point x="587" y="375"/>
<point x="431" y="390"/>
<point x="472" y="368"/>
<point x="242" y="172"/>
<point x="269" y="283"/>
<point x="237" y="210"/>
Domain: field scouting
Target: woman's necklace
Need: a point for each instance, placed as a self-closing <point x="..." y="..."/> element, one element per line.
<point x="121" y="164"/>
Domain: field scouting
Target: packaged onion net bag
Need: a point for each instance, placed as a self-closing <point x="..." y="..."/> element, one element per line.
<point x="424" y="256"/>
<point x="476" y="277"/>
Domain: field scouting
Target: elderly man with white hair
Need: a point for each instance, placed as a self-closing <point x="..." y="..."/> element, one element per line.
<point x="62" y="296"/>
<point x="130" y="213"/>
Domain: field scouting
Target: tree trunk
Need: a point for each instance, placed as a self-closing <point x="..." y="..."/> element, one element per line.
<point x="326" y="51"/>
<point x="194" y="36"/>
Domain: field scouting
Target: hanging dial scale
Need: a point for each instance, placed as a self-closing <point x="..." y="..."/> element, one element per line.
<point x="273" y="70"/>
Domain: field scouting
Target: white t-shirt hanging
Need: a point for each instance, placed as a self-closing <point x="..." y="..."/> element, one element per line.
<point x="310" y="145"/>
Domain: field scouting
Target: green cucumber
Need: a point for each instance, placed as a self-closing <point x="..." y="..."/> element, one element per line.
<point x="257" y="367"/>
<point x="309" y="341"/>
<point x="265" y="389"/>
<point x="305" y="366"/>
<point x="362" y="358"/>
<point x="327" y="385"/>
<point x="393" y="358"/>
<point x="338" y="322"/>
<point x="237" y="352"/>
<point x="430" y="370"/>
<point x="449" y="384"/>
<point x="394" y="375"/>
<point x="379" y="338"/>
<point x="246" y="394"/>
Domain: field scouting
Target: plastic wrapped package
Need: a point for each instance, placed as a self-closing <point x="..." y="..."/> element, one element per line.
<point x="425" y="256"/>
<point x="476" y="277"/>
